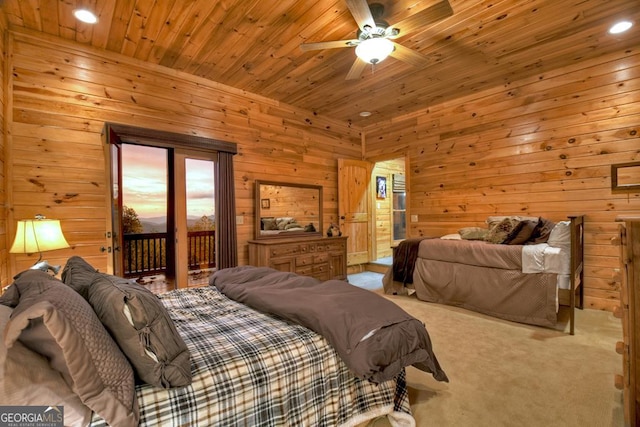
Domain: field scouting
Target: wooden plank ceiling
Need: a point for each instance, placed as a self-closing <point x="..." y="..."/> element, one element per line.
<point x="254" y="45"/>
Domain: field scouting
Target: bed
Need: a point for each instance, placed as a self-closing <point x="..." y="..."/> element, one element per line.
<point x="519" y="269"/>
<point x="198" y="357"/>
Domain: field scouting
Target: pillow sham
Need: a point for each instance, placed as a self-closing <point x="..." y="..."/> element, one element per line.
<point x="541" y="231"/>
<point x="521" y="232"/>
<point x="492" y="221"/>
<point x="138" y="321"/>
<point x="281" y="223"/>
<point x="473" y="233"/>
<point x="269" y="223"/>
<point x="57" y="323"/>
<point x="500" y="231"/>
<point x="27" y="379"/>
<point x="560" y="235"/>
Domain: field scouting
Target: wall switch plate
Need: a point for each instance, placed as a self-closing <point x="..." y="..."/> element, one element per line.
<point x="239" y="219"/>
<point x="414" y="218"/>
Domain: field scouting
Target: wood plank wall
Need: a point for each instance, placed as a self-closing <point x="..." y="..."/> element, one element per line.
<point x="541" y="146"/>
<point x="63" y="93"/>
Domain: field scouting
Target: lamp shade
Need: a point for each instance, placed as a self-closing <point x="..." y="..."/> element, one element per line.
<point x="38" y="235"/>
<point x="374" y="50"/>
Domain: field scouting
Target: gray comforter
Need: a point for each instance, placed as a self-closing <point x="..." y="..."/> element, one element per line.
<point x="374" y="337"/>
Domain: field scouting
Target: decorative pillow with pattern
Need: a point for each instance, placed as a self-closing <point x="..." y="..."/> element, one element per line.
<point x="500" y="232"/>
<point x="473" y="233"/>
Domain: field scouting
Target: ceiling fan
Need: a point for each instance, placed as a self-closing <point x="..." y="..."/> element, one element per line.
<point x="375" y="36"/>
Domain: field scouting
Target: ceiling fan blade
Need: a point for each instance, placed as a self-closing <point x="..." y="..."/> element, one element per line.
<point x="356" y="69"/>
<point x="423" y="18"/>
<point x="328" y="45"/>
<point x="361" y="13"/>
<point x="410" y="56"/>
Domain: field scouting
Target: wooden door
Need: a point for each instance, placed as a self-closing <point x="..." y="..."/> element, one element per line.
<point x="113" y="159"/>
<point x="354" y="177"/>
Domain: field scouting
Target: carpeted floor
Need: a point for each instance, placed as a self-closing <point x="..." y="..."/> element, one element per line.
<point x="509" y="374"/>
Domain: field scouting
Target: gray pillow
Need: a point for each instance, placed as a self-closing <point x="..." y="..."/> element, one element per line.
<point x="27" y="379"/>
<point x="54" y="321"/>
<point x="138" y="321"/>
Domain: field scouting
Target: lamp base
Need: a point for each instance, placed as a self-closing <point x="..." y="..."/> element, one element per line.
<point x="45" y="266"/>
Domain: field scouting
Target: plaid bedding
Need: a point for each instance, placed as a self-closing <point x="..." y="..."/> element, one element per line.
<point x="251" y="369"/>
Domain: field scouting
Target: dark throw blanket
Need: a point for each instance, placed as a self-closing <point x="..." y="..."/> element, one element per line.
<point x="375" y="338"/>
<point x="404" y="259"/>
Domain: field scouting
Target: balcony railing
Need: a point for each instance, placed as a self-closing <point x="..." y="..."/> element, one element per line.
<point x="145" y="253"/>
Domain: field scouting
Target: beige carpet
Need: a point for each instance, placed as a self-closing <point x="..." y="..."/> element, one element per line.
<point x="508" y="374"/>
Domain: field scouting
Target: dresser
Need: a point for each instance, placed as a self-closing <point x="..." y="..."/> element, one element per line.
<point x="629" y="312"/>
<point x="324" y="258"/>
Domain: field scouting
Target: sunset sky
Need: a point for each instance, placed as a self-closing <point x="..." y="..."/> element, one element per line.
<point x="144" y="182"/>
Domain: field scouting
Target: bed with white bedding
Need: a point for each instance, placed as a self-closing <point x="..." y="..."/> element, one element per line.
<point x="524" y="282"/>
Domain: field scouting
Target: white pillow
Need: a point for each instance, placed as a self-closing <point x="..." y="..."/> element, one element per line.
<point x="454" y="236"/>
<point x="560" y="235"/>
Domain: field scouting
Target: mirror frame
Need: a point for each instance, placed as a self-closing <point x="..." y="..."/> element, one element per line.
<point x="616" y="186"/>
<point x="260" y="201"/>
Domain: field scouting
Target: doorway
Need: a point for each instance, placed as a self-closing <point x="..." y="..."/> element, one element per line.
<point x="389" y="213"/>
<point x="167" y="216"/>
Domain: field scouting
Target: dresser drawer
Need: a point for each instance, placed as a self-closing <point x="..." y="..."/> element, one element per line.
<point x="286" y="250"/>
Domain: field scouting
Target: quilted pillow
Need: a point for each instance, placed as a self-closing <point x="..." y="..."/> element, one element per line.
<point x="54" y="321"/>
<point x="27" y="379"/>
<point x="500" y="231"/>
<point x="138" y="321"/>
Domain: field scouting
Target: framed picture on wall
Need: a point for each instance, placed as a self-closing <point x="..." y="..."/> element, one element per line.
<point x="266" y="203"/>
<point x="381" y="186"/>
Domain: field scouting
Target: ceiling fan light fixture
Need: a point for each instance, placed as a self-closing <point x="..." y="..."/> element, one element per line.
<point x="374" y="50"/>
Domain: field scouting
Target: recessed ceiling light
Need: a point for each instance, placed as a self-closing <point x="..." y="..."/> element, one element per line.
<point x="620" y="27"/>
<point x="85" y="16"/>
<point x="365" y="114"/>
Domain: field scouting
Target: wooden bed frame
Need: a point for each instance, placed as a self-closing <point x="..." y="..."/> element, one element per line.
<point x="577" y="270"/>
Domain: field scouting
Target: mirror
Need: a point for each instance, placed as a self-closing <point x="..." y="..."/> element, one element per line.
<point x="288" y="210"/>
<point x="625" y="177"/>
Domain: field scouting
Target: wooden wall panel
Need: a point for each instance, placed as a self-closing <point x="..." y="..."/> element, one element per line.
<point x="541" y="146"/>
<point x="63" y="93"/>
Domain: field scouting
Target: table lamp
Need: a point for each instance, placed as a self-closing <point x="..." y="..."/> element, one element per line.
<point x="39" y="235"/>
